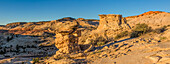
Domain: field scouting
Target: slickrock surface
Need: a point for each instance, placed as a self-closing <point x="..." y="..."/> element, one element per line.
<point x="155" y="20"/>
<point x="146" y="13"/>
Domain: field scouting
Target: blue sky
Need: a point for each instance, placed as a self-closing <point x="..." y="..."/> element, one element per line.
<point x="43" y="10"/>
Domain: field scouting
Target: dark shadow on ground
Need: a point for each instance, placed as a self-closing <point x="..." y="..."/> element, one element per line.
<point x="93" y="23"/>
<point x="100" y="47"/>
<point x="80" y="61"/>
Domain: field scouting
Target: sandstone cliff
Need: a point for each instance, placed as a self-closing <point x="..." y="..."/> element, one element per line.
<point x="155" y="19"/>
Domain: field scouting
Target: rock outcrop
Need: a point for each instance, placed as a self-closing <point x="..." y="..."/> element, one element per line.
<point x="66" y="19"/>
<point x="112" y="21"/>
<point x="45" y="27"/>
<point x="112" y="24"/>
<point x="67" y="38"/>
<point x="154" y="19"/>
<point x="109" y="26"/>
<point x="146" y="13"/>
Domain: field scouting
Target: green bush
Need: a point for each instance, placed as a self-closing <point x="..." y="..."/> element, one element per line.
<point x="135" y="34"/>
<point x="142" y="27"/>
<point x="100" y="43"/>
<point x="162" y="38"/>
<point x="35" y="60"/>
<point x="46" y="57"/>
<point x="122" y="34"/>
<point x="159" y="30"/>
<point x="139" y="30"/>
<point x="10" y="38"/>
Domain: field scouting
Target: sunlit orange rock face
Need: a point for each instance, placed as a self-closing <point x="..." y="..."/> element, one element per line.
<point x="146" y="13"/>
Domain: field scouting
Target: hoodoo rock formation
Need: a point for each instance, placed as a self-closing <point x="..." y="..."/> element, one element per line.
<point x="67" y="39"/>
<point x="112" y="21"/>
<point x="112" y="24"/>
<point x="109" y="26"/>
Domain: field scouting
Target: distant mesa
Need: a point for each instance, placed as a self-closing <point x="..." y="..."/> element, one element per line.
<point x="146" y="13"/>
<point x="81" y="19"/>
<point x="66" y="19"/>
<point x="16" y="23"/>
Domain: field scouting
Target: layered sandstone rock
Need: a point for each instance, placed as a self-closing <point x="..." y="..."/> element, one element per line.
<point x="154" y="19"/>
<point x="146" y="13"/>
<point x="109" y="26"/>
<point x="112" y="24"/>
<point x="67" y="38"/>
<point x="112" y="21"/>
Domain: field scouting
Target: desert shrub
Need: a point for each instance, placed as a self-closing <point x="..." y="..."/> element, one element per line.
<point x="142" y="27"/>
<point x="41" y="58"/>
<point x="17" y="48"/>
<point x="139" y="30"/>
<point x="168" y="25"/>
<point x="99" y="40"/>
<point x="99" y="51"/>
<point x="122" y="34"/>
<point x="162" y="38"/>
<point x="100" y="43"/>
<point x="23" y="63"/>
<point x="136" y="34"/>
<point x="35" y="60"/>
<point x="60" y="57"/>
<point x="46" y="57"/>
<point x="2" y="52"/>
<point x="9" y="38"/>
<point x="159" y="30"/>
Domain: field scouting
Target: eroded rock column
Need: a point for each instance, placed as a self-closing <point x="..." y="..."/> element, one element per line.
<point x="67" y="40"/>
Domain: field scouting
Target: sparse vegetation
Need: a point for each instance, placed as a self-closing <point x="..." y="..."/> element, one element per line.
<point x="159" y="30"/>
<point x="2" y="52"/>
<point x="46" y="57"/>
<point x="162" y="38"/>
<point x="99" y="51"/>
<point x="59" y="57"/>
<point x="35" y="60"/>
<point x="140" y="29"/>
<point x="122" y="34"/>
<point x="10" y="38"/>
<point x="98" y="41"/>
